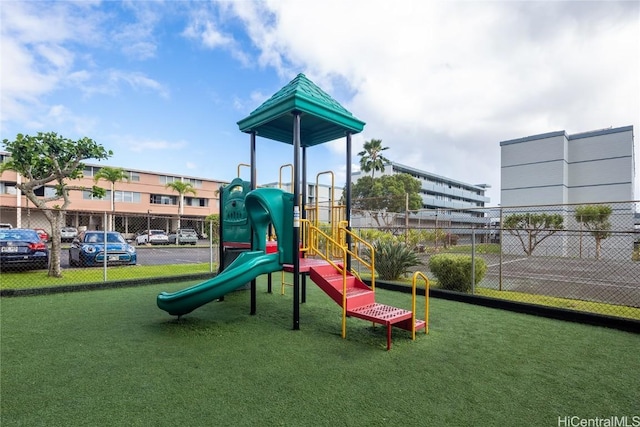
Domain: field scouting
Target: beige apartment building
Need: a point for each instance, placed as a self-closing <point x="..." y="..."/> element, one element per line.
<point x="143" y="201"/>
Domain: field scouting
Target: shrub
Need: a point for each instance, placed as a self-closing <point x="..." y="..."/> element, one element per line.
<point x="393" y="259"/>
<point x="454" y="271"/>
<point x="373" y="235"/>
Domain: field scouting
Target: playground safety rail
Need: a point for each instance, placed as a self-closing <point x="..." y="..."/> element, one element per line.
<point x="416" y="275"/>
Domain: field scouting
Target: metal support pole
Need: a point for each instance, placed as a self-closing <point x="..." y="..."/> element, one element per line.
<point x="253" y="187"/>
<point x="303" y="297"/>
<point x="104" y="242"/>
<point x="473" y="259"/>
<point x="296" y="220"/>
<point x="348" y="199"/>
<point x="501" y="250"/>
<point x="220" y="231"/>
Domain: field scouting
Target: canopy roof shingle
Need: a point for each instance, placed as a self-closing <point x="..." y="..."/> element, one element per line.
<point x="322" y="120"/>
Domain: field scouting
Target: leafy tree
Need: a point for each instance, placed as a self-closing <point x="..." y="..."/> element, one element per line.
<point x="531" y="229"/>
<point x="214" y="220"/>
<point x="50" y="158"/>
<point x="371" y="158"/>
<point x="595" y="218"/>
<point x="181" y="188"/>
<point x="385" y="196"/>
<point x="112" y="175"/>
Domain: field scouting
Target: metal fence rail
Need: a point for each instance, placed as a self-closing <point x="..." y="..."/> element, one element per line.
<point x="568" y="268"/>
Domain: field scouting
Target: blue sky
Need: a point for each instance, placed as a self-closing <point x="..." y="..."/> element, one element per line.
<point x="163" y="84"/>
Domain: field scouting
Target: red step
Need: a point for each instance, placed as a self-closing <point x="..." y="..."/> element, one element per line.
<point x="388" y="316"/>
<point x="330" y="281"/>
<point x="361" y="300"/>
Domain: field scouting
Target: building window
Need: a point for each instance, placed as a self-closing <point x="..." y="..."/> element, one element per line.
<point x="134" y="176"/>
<point x="159" y="199"/>
<point x="197" y="183"/>
<point x="165" y="179"/>
<point x="8" y="188"/>
<point x="127" y="197"/>
<point x="196" y="201"/>
<point x="90" y="171"/>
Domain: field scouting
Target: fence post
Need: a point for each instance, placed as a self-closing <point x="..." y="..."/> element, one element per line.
<point x="406" y="218"/>
<point x="473" y="259"/>
<point x="501" y="229"/>
<point x="104" y="242"/>
<point x="211" y="246"/>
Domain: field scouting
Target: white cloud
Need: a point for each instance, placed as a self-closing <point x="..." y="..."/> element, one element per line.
<point x="205" y="26"/>
<point x="140" y="145"/>
<point x="137" y="81"/>
<point x="442" y="83"/>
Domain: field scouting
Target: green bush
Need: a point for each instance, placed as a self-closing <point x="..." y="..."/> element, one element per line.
<point x="393" y="259"/>
<point x="454" y="271"/>
<point x="372" y="235"/>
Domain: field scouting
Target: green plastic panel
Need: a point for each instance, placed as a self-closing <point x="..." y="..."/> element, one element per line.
<point x="272" y="206"/>
<point x="235" y="222"/>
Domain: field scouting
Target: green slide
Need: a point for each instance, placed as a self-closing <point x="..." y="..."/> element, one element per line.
<point x="243" y="269"/>
<point x="264" y="206"/>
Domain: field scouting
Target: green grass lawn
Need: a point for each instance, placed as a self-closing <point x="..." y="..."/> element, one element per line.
<point x="111" y="357"/>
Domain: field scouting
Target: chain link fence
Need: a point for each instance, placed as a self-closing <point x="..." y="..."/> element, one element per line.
<point x="138" y="247"/>
<point x="549" y="255"/>
<point x="581" y="257"/>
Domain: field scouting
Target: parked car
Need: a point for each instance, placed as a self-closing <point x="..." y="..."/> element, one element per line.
<point x="88" y="249"/>
<point x="22" y="247"/>
<point x="44" y="236"/>
<point x="184" y="236"/>
<point x="153" y="237"/>
<point x="67" y="234"/>
<point x="5" y="225"/>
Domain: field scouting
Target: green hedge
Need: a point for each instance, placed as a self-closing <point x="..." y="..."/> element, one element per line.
<point x="454" y="271"/>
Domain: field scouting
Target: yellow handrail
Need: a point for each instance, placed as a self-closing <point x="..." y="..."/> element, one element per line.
<point x="332" y="200"/>
<point x="240" y="165"/>
<point x="280" y="175"/>
<point x="356" y="242"/>
<point x="314" y="233"/>
<point x="413" y="304"/>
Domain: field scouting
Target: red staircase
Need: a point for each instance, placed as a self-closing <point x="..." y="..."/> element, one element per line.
<point x="360" y="300"/>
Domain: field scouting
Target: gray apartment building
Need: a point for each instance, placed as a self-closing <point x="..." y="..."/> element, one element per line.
<point x="445" y="201"/>
<point x="557" y="168"/>
<point x="556" y="172"/>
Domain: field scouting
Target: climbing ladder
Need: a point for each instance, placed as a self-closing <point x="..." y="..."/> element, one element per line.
<point x="356" y="298"/>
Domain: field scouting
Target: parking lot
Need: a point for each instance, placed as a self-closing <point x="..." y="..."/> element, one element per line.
<point x="160" y="255"/>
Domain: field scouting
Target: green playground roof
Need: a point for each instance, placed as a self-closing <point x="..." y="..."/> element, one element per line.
<point x="322" y="118"/>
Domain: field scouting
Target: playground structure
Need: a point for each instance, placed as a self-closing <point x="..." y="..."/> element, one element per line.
<point x="249" y="214"/>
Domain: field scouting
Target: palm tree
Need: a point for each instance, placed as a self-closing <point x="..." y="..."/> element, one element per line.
<point x="371" y="158"/>
<point x="181" y="188"/>
<point x="112" y="175"/>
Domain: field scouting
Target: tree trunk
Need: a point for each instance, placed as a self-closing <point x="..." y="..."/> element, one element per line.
<point x="55" y="219"/>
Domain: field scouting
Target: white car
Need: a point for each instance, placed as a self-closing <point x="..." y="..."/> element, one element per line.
<point x="184" y="236"/>
<point x="68" y="234"/>
<point x="152" y="237"/>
